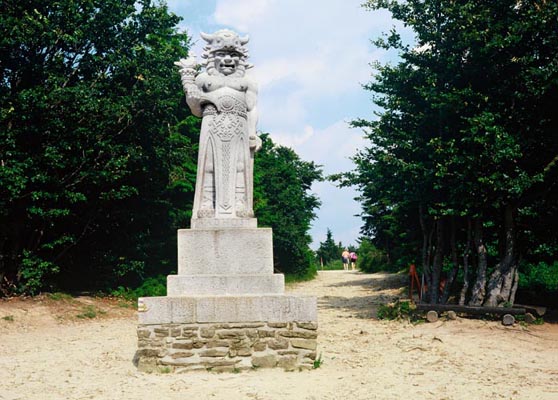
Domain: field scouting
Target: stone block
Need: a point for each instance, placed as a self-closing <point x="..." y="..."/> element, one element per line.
<point x="194" y="285"/>
<point x="288" y="363"/>
<point x="143" y="333"/>
<point x="215" y="309"/>
<point x="182" y="354"/>
<point x="311" y="356"/>
<point x="225" y="251"/>
<point x="183" y="345"/>
<point x="231" y="334"/>
<point x="223" y="223"/>
<point x="266" y="333"/>
<point x="308" y="344"/>
<point x="277" y="344"/>
<point x="299" y="334"/>
<point x="214" y="352"/>
<point x="265" y="361"/>
<point x="260" y="346"/>
<point x="308" y="325"/>
<point x="217" y="343"/>
<point x="207" y="333"/>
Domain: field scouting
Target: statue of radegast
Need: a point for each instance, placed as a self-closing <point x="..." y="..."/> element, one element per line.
<point x="226" y="100"/>
<point x="225" y="284"/>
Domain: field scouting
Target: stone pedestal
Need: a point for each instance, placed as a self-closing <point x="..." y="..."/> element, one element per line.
<point x="226" y="309"/>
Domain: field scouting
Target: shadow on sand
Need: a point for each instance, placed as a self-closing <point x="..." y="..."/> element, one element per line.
<point x="378" y="288"/>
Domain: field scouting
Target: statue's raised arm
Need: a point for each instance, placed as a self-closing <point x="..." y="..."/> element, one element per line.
<point x="226" y="99"/>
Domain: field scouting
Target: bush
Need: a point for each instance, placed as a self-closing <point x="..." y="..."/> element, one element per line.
<point x="333" y="265"/>
<point x="156" y="286"/>
<point x="397" y="310"/>
<point x="541" y="276"/>
<point x="370" y="259"/>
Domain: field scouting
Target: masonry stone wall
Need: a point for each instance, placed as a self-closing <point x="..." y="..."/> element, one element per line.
<point x="226" y="346"/>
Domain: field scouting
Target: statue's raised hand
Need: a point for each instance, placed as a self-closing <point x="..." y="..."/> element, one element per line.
<point x="188" y="69"/>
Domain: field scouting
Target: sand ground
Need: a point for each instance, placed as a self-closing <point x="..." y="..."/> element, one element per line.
<point x="46" y="352"/>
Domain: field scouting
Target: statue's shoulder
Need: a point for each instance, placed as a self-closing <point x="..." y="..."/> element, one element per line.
<point x="251" y="83"/>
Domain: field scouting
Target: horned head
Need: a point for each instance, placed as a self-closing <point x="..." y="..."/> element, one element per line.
<point x="225" y="39"/>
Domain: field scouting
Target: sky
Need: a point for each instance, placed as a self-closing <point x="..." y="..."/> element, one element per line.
<point x="310" y="60"/>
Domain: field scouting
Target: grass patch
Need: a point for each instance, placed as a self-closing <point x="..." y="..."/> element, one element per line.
<point x="58" y="296"/>
<point x="318" y="362"/>
<point x="334" y="266"/>
<point x="126" y="304"/>
<point x="9" y="318"/>
<point x="90" y="312"/>
<point x="307" y="276"/>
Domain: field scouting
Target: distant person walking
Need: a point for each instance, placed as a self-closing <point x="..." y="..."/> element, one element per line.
<point x="353" y="258"/>
<point x="345" y="258"/>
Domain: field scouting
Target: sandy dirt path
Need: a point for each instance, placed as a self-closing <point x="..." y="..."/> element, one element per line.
<point x="46" y="355"/>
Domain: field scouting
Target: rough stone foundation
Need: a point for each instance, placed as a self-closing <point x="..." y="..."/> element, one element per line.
<point x="226" y="346"/>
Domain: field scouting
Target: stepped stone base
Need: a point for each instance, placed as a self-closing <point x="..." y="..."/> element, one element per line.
<point x="194" y="285"/>
<point x="225" y="251"/>
<point x="217" y="309"/>
<point x="226" y="310"/>
<point x="226" y="346"/>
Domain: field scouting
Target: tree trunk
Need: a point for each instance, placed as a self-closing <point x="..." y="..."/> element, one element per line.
<point x="479" y="289"/>
<point x="466" y="253"/>
<point x="426" y="246"/>
<point x="434" y="288"/>
<point x="455" y="262"/>
<point x="503" y="279"/>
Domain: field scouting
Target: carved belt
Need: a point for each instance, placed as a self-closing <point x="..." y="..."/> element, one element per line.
<point x="212" y="110"/>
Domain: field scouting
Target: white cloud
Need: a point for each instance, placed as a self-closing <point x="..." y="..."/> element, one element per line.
<point x="241" y="14"/>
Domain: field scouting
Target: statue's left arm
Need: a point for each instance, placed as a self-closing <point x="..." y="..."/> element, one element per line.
<point x="252" y="117"/>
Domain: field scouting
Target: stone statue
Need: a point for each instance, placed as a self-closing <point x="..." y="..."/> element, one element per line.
<point x="226" y="99"/>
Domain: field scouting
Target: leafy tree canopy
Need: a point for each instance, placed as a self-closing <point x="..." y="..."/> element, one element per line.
<point x="91" y="128"/>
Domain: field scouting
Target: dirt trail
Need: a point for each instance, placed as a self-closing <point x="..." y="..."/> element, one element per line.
<point x="46" y="352"/>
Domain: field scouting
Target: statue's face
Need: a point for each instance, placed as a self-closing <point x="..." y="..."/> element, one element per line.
<point x="226" y="62"/>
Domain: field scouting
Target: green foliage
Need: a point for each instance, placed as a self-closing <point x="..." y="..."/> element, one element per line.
<point x="34" y="271"/>
<point x="153" y="286"/>
<point x="59" y="296"/>
<point x="93" y="132"/>
<point x="318" y="362"/>
<point x="371" y="259"/>
<point x="333" y="265"/>
<point x="467" y="130"/>
<point x="283" y="201"/>
<point x="329" y="251"/>
<point x="89" y="312"/>
<point x="396" y="311"/>
<point x="540" y="276"/>
<point x="9" y="318"/>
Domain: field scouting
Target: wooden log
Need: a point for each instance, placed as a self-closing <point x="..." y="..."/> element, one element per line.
<point x="539" y="311"/>
<point x="452" y="315"/>
<point x="471" y="309"/>
<point x="432" y="316"/>
<point x="508" y="320"/>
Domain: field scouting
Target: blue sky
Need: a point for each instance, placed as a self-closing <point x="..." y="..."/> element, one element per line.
<point x="311" y="58"/>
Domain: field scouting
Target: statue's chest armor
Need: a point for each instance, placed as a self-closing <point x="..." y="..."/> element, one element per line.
<point x="228" y="114"/>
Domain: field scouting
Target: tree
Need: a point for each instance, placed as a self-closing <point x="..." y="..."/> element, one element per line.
<point x="328" y="250"/>
<point x="91" y="149"/>
<point x="465" y="144"/>
<point x="283" y="201"/>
